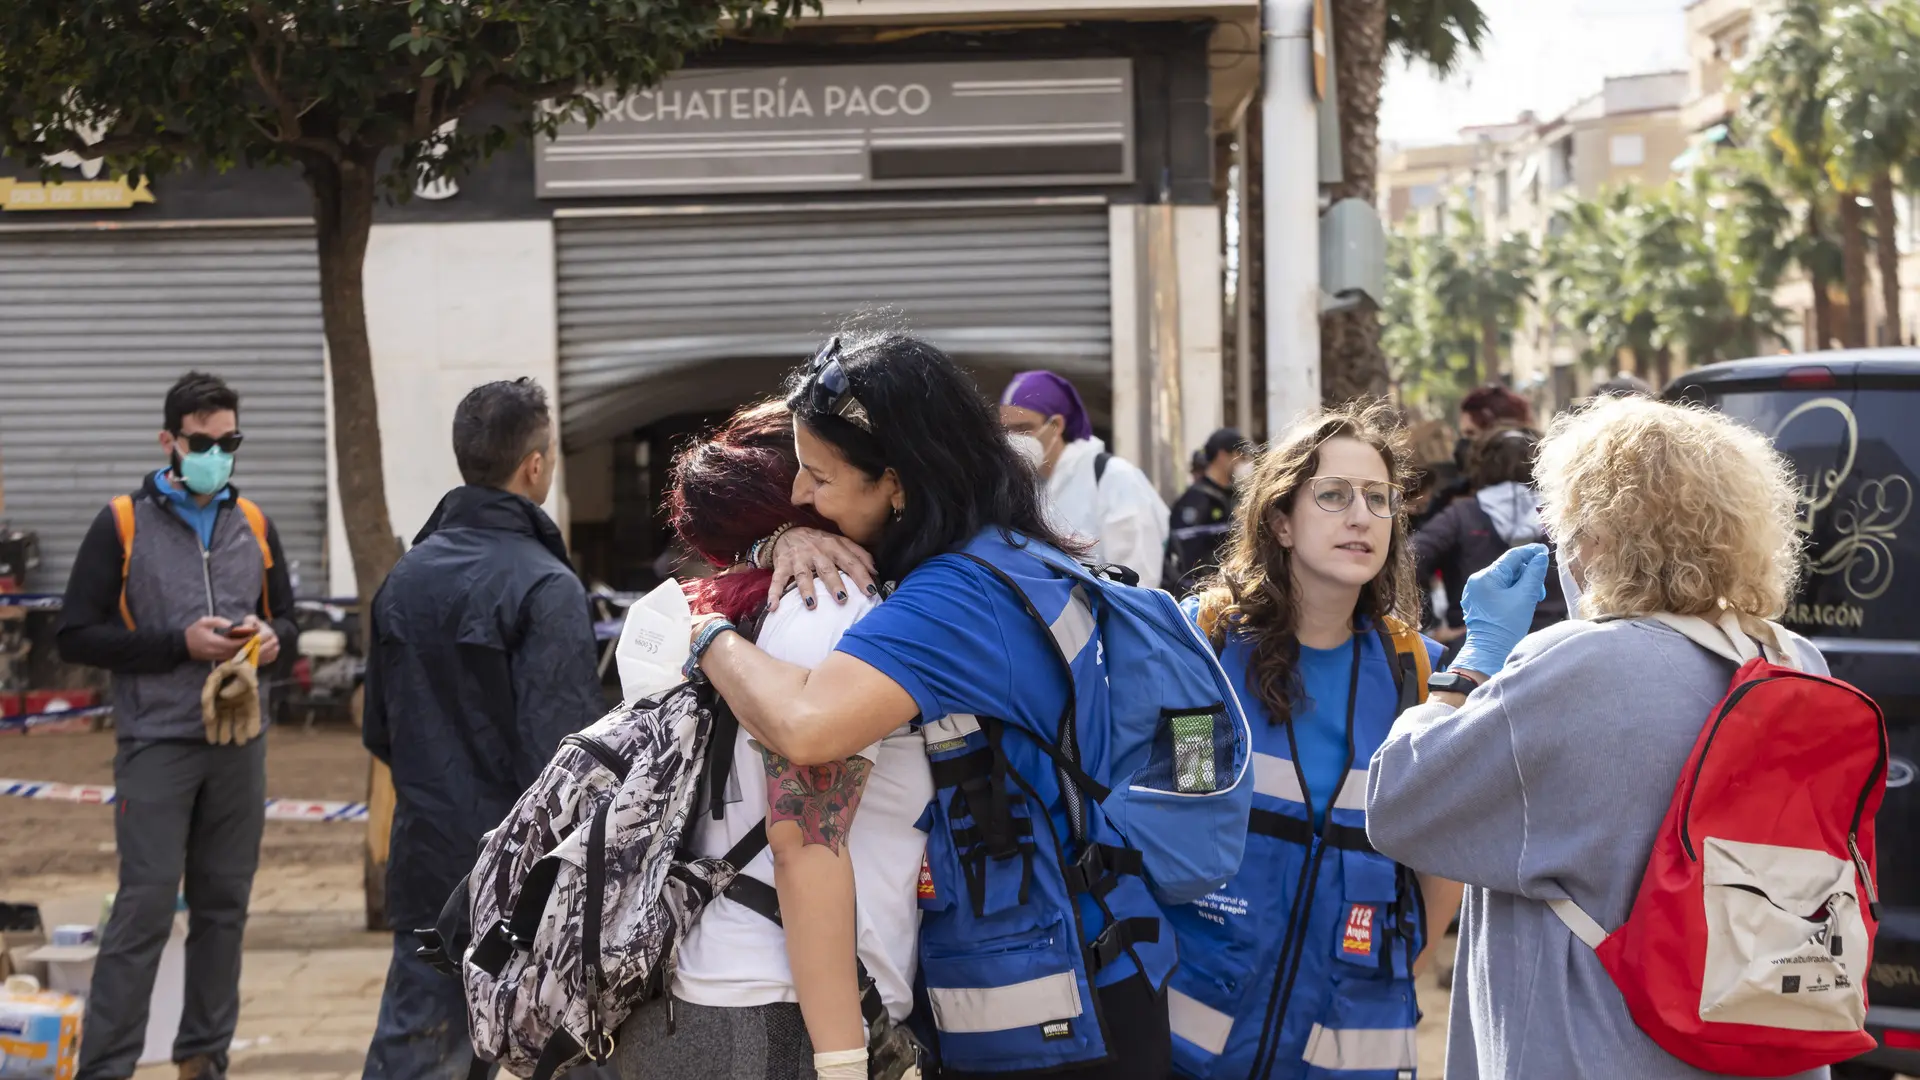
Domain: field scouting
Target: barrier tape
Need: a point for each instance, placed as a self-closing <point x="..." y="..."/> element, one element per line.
<point x="102" y="795"/>
<point x="34" y="720"/>
<point x="33" y="601"/>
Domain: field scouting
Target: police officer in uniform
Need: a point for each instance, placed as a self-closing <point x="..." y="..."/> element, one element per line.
<point x="1202" y="516"/>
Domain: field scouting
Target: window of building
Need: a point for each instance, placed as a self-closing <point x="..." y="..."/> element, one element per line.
<point x="1627" y="150"/>
<point x="1502" y="195"/>
<point x="1560" y="169"/>
<point x="1421" y="196"/>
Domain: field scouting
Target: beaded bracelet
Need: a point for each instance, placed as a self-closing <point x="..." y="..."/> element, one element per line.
<point x="760" y="555"/>
<point x="704" y="641"/>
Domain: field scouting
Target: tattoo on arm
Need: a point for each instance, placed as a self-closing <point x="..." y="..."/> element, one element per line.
<point x="821" y="799"/>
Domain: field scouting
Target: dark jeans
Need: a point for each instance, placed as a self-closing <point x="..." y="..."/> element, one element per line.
<point x="182" y="810"/>
<point x="422" y="1030"/>
<point x="1139" y="1044"/>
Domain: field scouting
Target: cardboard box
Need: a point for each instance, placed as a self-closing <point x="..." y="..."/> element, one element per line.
<point x="39" y="1035"/>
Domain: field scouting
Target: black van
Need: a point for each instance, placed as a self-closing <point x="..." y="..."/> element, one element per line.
<point x="1850" y="421"/>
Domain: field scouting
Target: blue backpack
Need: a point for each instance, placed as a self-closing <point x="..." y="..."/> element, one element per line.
<point x="1051" y="851"/>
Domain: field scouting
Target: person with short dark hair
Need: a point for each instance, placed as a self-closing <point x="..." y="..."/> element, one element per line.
<point x="481" y="660"/>
<point x="1625" y="384"/>
<point x="171" y="583"/>
<point x="1203" y="515"/>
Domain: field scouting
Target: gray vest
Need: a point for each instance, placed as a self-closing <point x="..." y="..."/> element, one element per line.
<point x="171" y="582"/>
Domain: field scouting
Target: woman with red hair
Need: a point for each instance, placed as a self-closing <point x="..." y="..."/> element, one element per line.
<point x="753" y="999"/>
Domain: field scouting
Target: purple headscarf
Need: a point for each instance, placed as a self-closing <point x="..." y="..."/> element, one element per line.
<point x="1050" y="395"/>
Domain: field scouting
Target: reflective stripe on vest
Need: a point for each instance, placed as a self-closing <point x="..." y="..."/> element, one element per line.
<point x="1361" y="1049"/>
<point x="1202" y="1025"/>
<point x="1276" y="778"/>
<point x="1074" y="627"/>
<point x="974" y="1010"/>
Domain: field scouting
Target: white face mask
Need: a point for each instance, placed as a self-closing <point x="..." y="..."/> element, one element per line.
<point x="1569" y="588"/>
<point x="1029" y="447"/>
<point x="1241" y="472"/>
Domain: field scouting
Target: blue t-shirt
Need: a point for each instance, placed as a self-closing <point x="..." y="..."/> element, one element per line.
<point x="956" y="640"/>
<point x="1320" y="722"/>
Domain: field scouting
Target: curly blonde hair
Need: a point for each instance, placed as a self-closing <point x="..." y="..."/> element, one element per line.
<point x="1670" y="508"/>
<point x="1253" y="591"/>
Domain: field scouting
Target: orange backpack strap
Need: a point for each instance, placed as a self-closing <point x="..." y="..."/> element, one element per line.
<point x="1408" y="642"/>
<point x="123" y="524"/>
<point x="257" y="521"/>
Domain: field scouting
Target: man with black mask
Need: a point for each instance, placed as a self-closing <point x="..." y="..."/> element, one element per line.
<point x="1203" y="515"/>
<point x="173" y="583"/>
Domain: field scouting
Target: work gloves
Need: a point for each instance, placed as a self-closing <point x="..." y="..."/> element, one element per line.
<point x="230" y="700"/>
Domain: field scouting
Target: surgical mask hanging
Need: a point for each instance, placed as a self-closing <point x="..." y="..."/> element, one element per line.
<point x="204" y="473"/>
<point x="1569" y="588"/>
<point x="1028" y="447"/>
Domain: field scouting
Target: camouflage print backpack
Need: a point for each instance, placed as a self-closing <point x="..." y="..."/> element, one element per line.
<point x="579" y="900"/>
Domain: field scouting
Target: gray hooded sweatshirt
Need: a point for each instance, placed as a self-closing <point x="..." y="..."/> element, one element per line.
<point x="1550" y="783"/>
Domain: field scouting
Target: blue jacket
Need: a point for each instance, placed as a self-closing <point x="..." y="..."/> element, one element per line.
<point x="1301" y="966"/>
<point x="482" y="660"/>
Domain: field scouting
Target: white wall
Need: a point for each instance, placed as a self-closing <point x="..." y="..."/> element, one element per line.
<point x="1197" y="248"/>
<point x="449" y="306"/>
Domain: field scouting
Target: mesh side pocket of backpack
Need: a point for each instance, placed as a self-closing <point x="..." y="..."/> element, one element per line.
<point x="1192" y="753"/>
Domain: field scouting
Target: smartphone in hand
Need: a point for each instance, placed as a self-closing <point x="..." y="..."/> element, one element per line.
<point x="241" y="631"/>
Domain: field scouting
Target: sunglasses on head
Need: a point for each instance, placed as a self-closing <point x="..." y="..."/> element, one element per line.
<point x="830" y="392"/>
<point x="199" y="443"/>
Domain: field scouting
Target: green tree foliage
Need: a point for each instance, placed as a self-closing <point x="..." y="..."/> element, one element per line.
<point x="1453" y="302"/>
<point x="352" y="92"/>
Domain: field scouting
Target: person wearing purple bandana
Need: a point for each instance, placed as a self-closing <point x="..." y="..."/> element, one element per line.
<point x="1090" y="492"/>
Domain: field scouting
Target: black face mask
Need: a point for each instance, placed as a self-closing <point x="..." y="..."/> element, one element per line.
<point x="1461" y="448"/>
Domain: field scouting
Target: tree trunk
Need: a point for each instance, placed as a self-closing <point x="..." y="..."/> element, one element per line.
<point x="343" y="195"/>
<point x="1886" y="246"/>
<point x="1824" y="330"/>
<point x="1853" y="266"/>
<point x="1662" y="367"/>
<point x="1351" y="361"/>
<point x="1490" y="348"/>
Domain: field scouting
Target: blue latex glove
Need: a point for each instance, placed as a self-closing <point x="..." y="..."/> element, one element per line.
<point x="1498" y="608"/>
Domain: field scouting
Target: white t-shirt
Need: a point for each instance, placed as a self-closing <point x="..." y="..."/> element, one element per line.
<point x="734" y="957"/>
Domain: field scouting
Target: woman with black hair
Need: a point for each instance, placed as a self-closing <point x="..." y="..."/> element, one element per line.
<point x="1033" y="958"/>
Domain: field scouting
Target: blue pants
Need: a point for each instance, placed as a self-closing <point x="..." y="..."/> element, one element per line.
<point x="422" y="1031"/>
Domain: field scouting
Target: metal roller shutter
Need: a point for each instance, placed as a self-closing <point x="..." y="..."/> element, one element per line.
<point x="647" y="303"/>
<point x="94" y="327"/>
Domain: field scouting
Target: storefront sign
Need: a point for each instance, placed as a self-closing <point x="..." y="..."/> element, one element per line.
<point x="72" y="195"/>
<point x="707" y="131"/>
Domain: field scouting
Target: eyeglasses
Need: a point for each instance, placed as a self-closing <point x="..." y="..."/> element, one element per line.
<point x="1335" y="493"/>
<point x="830" y="392"/>
<point x="201" y="443"/>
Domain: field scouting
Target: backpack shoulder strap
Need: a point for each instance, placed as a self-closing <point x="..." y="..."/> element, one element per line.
<point x="257" y="522"/>
<point x="1728" y="639"/>
<point x="1411" y="664"/>
<point x="123" y="524"/>
<point x="1100" y="461"/>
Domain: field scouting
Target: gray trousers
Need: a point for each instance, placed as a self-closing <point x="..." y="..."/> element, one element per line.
<point x="764" y="1042"/>
<point x="183" y="811"/>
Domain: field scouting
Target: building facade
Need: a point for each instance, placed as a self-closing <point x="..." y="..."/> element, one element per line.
<point x="1026" y="183"/>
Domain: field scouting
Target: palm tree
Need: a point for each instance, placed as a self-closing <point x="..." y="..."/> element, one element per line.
<point x="1429" y="345"/>
<point x="1589" y="281"/>
<point x="1872" y="104"/>
<point x="1785" y="93"/>
<point x="1436" y="32"/>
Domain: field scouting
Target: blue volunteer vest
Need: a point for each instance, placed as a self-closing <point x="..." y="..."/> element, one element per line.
<point x="1020" y="921"/>
<point x="1301" y="966"/>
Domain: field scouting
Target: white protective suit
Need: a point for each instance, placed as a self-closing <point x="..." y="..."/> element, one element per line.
<point x="1123" y="514"/>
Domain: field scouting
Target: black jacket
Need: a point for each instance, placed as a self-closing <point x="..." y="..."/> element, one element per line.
<point x="482" y="660"/>
<point x="1458" y="543"/>
<point x="1201" y="520"/>
<point x="176" y="580"/>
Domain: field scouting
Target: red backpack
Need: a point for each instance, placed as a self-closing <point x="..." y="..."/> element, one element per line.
<point x="1747" y="949"/>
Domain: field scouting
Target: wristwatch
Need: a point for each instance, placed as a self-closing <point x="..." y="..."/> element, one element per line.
<point x="1451" y="682"/>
